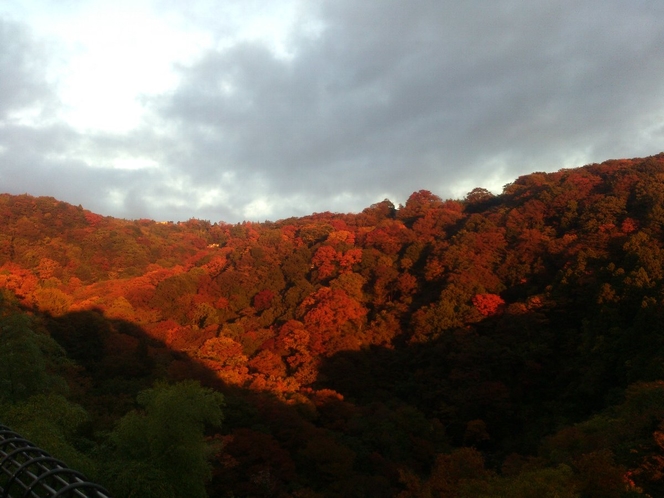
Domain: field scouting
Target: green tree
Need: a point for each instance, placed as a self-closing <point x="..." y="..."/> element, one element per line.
<point x="541" y="483"/>
<point x="160" y="450"/>
<point x="53" y="423"/>
<point x="28" y="360"/>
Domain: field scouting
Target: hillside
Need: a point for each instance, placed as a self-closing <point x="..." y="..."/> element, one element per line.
<point x="489" y="346"/>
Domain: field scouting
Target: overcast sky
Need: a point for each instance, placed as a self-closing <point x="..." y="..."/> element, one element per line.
<point x="231" y="110"/>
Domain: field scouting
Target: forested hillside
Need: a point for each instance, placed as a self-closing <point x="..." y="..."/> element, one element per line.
<point x="498" y="345"/>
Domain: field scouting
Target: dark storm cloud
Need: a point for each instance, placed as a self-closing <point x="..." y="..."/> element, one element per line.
<point x="396" y="96"/>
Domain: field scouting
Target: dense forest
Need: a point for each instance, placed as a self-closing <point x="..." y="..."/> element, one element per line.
<point x="493" y="346"/>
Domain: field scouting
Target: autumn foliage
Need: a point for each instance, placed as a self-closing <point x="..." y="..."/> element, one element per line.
<point x="498" y="345"/>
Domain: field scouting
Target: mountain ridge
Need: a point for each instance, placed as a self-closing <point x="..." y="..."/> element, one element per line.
<point x="507" y="334"/>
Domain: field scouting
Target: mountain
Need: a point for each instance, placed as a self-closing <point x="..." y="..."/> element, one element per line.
<point x="497" y="345"/>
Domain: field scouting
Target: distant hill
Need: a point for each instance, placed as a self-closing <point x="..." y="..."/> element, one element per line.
<point x="472" y="347"/>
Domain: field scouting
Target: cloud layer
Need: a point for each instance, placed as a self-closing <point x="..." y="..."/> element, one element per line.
<point x="360" y="101"/>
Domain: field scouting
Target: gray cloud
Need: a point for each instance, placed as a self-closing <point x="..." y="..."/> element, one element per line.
<point x="394" y="97"/>
<point x="387" y="98"/>
<point x="22" y="65"/>
<point x="40" y="155"/>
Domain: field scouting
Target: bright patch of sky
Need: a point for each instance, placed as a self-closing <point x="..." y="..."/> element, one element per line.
<point x="115" y="53"/>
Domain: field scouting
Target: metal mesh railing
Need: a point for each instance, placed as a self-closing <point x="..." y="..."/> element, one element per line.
<point x="27" y="471"/>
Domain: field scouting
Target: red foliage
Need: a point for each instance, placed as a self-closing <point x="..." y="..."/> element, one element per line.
<point x="488" y="304"/>
<point x="263" y="300"/>
<point x="389" y="238"/>
<point x="350" y="257"/>
<point x="325" y="262"/>
<point x="253" y="464"/>
<point x="327" y="313"/>
<point x="407" y="284"/>
<point x="418" y="204"/>
<point x="292" y="337"/>
<point x="629" y="225"/>
<point x="268" y="363"/>
<point x="93" y="219"/>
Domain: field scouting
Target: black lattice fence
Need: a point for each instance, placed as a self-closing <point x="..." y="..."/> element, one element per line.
<point x="27" y="471"/>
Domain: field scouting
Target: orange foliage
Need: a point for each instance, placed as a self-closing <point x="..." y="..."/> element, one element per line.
<point x="326" y="313"/>
<point x="224" y="356"/>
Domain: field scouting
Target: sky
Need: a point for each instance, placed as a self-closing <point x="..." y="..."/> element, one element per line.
<point x="233" y="110"/>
